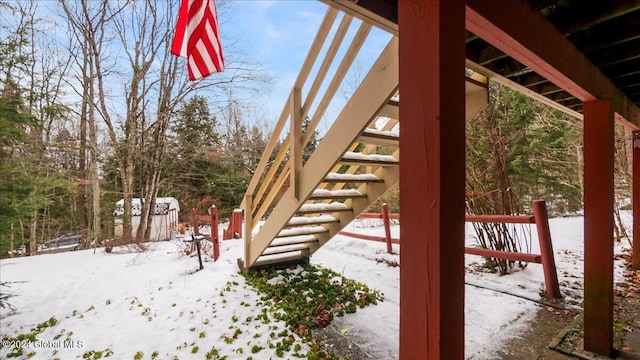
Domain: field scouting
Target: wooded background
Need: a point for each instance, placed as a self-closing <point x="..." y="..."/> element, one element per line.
<point x="106" y="112"/>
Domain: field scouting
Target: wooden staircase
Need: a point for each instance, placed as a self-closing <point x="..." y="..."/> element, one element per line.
<point x="297" y="201"/>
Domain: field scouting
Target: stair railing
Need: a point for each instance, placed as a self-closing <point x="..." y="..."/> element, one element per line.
<point x="281" y="161"/>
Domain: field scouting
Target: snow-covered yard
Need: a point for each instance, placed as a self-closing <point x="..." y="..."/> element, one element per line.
<point x="155" y="305"/>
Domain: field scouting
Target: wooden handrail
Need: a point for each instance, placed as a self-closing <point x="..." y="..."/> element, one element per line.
<point x="269" y="178"/>
<point x="316" y="46"/>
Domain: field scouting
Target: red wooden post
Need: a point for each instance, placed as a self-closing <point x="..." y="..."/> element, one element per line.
<point x="387" y="229"/>
<point x="546" y="249"/>
<point x="432" y="140"/>
<point x="635" y="262"/>
<point x="215" y="239"/>
<point x="227" y="231"/>
<point x="237" y="224"/>
<point x="234" y="229"/>
<point x="598" y="226"/>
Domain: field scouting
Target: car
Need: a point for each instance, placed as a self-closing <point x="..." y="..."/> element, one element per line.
<point x="61" y="243"/>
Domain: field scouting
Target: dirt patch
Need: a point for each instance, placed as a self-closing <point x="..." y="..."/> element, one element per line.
<point x="627" y="312"/>
<point x="628" y="324"/>
<point x="333" y="340"/>
<point x="548" y="323"/>
<point x="558" y="334"/>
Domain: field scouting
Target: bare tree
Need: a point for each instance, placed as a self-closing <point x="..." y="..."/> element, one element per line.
<point x="154" y="83"/>
<point x="88" y="22"/>
<point x="159" y="81"/>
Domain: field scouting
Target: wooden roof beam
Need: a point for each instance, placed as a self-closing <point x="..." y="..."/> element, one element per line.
<point x="605" y="10"/>
<point x="555" y="58"/>
<point x="379" y="13"/>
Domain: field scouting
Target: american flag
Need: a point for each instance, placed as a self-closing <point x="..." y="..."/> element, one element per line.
<point x="197" y="38"/>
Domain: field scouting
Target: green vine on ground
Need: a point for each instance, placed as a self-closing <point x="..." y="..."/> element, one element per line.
<point x="17" y="351"/>
<point x="308" y="297"/>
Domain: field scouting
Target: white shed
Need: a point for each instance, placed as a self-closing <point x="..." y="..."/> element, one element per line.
<point x="164" y="222"/>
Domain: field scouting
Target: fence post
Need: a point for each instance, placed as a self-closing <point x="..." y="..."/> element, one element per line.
<point x="546" y="249"/>
<point x="213" y="211"/>
<point x="387" y="230"/>
<point x="237" y="224"/>
<point x="248" y="222"/>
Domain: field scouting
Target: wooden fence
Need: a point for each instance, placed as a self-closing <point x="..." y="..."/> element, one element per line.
<point x="233" y="231"/>
<point x="539" y="218"/>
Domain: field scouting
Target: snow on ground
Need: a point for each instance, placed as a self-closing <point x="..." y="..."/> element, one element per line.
<point x="155" y="302"/>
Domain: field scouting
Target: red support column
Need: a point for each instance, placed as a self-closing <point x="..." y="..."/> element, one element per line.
<point x="432" y="133"/>
<point x="215" y="239"/>
<point x="598" y="226"/>
<point x="636" y="201"/>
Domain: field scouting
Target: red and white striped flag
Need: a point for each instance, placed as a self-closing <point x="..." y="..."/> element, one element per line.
<point x="197" y="38"/>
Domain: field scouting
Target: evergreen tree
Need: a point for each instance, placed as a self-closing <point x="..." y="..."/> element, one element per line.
<point x="15" y="185"/>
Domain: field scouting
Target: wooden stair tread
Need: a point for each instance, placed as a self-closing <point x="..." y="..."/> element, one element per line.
<point x="293" y="240"/>
<point x="284" y="249"/>
<point x="279" y="258"/>
<point x="379" y="137"/>
<point x="307" y="230"/>
<point x="353" y="158"/>
<point x="323" y="208"/>
<point x="351" y="178"/>
<point x="391" y="110"/>
<point x="321" y="194"/>
<point x="308" y="220"/>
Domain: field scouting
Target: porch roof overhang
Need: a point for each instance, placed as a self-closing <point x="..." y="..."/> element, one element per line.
<point x="561" y="52"/>
<point x="581" y="57"/>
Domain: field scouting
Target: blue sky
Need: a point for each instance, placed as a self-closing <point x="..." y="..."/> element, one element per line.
<point x="278" y="34"/>
<point x="275" y="34"/>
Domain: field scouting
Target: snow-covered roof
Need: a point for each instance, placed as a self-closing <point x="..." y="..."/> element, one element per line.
<point x="163" y="205"/>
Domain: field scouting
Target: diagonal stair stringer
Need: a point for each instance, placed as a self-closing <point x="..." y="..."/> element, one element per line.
<point x="379" y="85"/>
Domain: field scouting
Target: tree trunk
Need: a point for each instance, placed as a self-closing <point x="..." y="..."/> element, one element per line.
<point x="83" y="212"/>
<point x="33" y="233"/>
<point x="95" y="180"/>
<point x="81" y="198"/>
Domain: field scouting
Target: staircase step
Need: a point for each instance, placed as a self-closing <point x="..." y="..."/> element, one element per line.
<point x="307" y="230"/>
<point x="351" y="178"/>
<point x="279" y="258"/>
<point x="379" y="137"/>
<point x="322" y="194"/>
<point x="354" y="158"/>
<point x="391" y="110"/>
<point x="308" y="220"/>
<point x="284" y="249"/>
<point x="293" y="240"/>
<point x="323" y="208"/>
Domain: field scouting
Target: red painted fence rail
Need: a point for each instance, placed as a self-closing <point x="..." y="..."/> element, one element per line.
<point x="540" y="218"/>
<point x="385" y="216"/>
